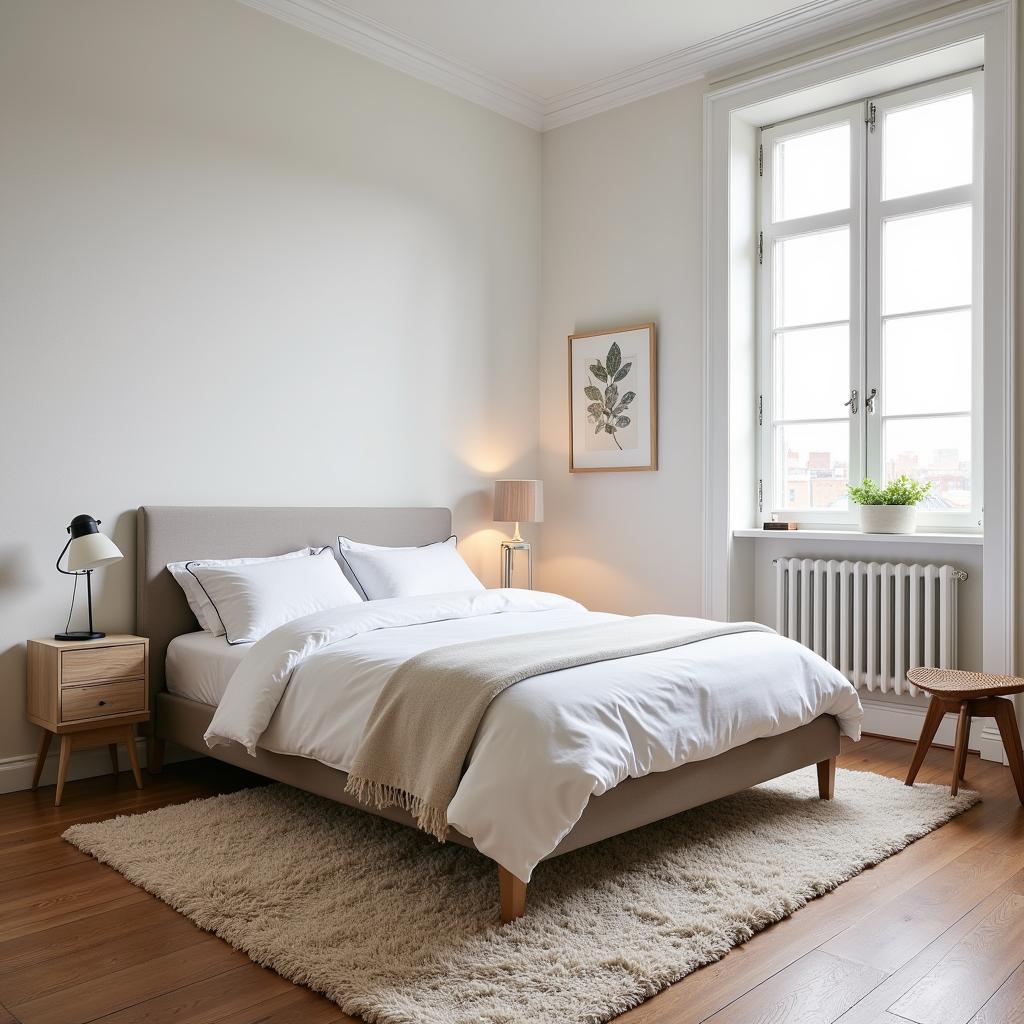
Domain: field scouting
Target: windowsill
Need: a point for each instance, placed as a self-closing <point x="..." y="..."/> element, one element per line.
<point x="856" y="537"/>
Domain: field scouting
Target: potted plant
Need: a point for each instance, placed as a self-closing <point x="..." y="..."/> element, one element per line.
<point x="890" y="509"/>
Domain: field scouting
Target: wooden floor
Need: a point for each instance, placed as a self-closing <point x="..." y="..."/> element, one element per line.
<point x="934" y="934"/>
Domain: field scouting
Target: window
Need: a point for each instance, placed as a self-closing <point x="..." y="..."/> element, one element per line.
<point x="869" y="335"/>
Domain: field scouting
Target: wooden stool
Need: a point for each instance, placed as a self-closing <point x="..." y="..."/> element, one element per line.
<point x="968" y="695"/>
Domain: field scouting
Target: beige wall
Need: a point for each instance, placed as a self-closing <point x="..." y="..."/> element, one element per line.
<point x="622" y="245"/>
<point x="242" y="265"/>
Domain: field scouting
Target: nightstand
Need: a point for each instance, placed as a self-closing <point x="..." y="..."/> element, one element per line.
<point x="89" y="693"/>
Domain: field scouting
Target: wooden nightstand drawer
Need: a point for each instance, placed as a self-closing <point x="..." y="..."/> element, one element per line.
<point x="120" y="698"/>
<point x="102" y="663"/>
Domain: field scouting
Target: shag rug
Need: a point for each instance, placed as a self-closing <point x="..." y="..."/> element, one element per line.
<point x="397" y="928"/>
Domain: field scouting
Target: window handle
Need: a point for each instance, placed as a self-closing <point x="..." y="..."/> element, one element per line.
<point x="869" y="402"/>
<point x="852" y="402"/>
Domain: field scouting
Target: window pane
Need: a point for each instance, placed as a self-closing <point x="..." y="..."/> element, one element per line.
<point x="927" y="364"/>
<point x="812" y="173"/>
<point x="926" y="260"/>
<point x="938" y="449"/>
<point x="812" y="462"/>
<point x="927" y="147"/>
<point x="812" y="278"/>
<point x="813" y="372"/>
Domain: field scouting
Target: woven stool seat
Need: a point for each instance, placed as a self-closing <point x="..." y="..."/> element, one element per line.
<point x="952" y="683"/>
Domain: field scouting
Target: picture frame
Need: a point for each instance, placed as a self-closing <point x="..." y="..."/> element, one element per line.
<point x="613" y="400"/>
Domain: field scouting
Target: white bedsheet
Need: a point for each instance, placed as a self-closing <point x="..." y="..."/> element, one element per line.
<point x="547" y="744"/>
<point x="199" y="665"/>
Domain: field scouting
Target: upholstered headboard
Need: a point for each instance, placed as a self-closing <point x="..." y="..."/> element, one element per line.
<point x="173" y="534"/>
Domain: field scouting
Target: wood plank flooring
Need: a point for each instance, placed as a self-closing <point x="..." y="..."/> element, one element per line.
<point x="934" y="935"/>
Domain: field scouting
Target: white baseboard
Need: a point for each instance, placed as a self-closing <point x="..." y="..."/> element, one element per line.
<point x="992" y="745"/>
<point x="16" y="772"/>
<point x="903" y="722"/>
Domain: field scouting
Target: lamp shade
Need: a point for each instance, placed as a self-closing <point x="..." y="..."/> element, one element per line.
<point x="518" y="501"/>
<point x="89" y="549"/>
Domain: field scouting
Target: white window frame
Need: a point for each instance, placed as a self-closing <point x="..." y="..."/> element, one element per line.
<point x="864" y="217"/>
<point x="878" y="211"/>
<point x="771" y="234"/>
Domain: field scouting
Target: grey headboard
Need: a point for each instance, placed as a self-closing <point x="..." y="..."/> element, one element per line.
<point x="175" y="533"/>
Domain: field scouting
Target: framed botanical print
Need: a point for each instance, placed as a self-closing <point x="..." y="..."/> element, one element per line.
<point x="613" y="400"/>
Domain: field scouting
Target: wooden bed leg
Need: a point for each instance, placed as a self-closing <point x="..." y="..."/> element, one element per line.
<point x="154" y="754"/>
<point x="827" y="779"/>
<point x="513" y="895"/>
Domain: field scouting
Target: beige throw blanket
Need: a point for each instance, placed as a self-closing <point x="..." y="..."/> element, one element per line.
<point x="422" y="726"/>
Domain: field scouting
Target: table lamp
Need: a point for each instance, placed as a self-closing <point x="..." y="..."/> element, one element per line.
<point x="517" y="501"/>
<point x="90" y="550"/>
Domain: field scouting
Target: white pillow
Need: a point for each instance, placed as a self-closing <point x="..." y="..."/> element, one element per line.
<point x="205" y="613"/>
<point x="251" y="600"/>
<point x="407" y="572"/>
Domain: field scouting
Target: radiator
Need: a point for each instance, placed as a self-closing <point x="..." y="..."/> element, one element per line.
<point x="872" y="620"/>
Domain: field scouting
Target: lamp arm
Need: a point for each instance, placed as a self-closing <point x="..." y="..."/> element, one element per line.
<point x="67" y="572"/>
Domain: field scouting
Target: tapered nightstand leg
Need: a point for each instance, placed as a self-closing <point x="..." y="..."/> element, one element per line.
<point x="62" y="767"/>
<point x="133" y="754"/>
<point x="112" y="747"/>
<point x="44" y="749"/>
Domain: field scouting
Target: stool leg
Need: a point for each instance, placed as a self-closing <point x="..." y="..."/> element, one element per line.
<point x="962" y="766"/>
<point x="936" y="709"/>
<point x="963" y="724"/>
<point x="1006" y="719"/>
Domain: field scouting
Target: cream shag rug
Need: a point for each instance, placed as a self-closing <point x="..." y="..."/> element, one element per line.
<point x="397" y="928"/>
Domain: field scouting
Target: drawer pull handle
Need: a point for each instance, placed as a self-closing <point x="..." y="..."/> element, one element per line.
<point x="102" y="702"/>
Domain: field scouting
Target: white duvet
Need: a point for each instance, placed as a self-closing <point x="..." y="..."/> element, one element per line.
<point x="547" y="744"/>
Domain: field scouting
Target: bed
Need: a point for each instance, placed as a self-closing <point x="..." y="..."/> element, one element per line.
<point x="190" y="671"/>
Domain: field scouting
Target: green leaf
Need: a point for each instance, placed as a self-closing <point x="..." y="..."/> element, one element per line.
<point x="599" y="371"/>
<point x="628" y="397"/>
<point x="622" y="421"/>
<point x="614" y="359"/>
<point x="609" y="429"/>
<point x="901" y="491"/>
<point x="622" y="373"/>
<point x="593" y="393"/>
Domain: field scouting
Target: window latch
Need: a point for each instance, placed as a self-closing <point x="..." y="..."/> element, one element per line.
<point x="852" y="402"/>
<point x="869" y="402"/>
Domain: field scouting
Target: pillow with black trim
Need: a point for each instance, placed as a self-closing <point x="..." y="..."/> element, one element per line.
<point x="251" y="600"/>
<point x="407" y="572"/>
<point x="205" y="613"/>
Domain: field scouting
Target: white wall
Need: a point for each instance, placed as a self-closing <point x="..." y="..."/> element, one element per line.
<point x="621" y="245"/>
<point x="241" y="265"/>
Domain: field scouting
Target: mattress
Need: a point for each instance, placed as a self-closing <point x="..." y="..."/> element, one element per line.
<point x="199" y="665"/>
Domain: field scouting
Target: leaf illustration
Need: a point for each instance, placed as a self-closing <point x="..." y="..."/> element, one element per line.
<point x="614" y="359"/>
<point x="595" y="408"/>
<point x="622" y="373"/>
<point x="599" y="371"/>
<point x="611" y="396"/>
<point x="593" y="393"/>
<point x="628" y="397"/>
<point x="619" y="409"/>
<point x="599" y="427"/>
<point x="609" y="429"/>
<point x="622" y="421"/>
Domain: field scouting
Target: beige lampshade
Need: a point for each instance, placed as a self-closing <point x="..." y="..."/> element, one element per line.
<point x="92" y="551"/>
<point x="518" y="501"/>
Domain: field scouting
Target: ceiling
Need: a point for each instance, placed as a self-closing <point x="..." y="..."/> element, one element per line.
<point x="548" y="62"/>
<point x="548" y="47"/>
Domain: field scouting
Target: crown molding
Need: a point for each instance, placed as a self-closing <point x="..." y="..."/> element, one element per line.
<point x="776" y="38"/>
<point x="735" y="51"/>
<point x="337" y="23"/>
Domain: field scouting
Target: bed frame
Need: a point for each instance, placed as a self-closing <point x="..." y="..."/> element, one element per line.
<point x="169" y="534"/>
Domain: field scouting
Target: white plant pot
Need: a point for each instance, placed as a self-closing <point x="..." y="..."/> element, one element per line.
<point x="888" y="518"/>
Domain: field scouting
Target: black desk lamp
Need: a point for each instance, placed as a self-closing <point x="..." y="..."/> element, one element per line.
<point x="90" y="550"/>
